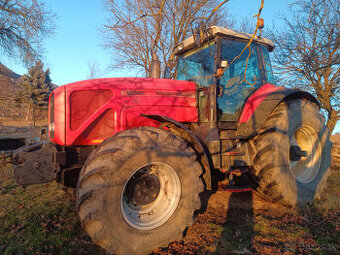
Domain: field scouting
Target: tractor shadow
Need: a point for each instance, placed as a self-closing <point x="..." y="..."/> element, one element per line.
<point x="224" y="225"/>
<point x="243" y="223"/>
<point x="238" y="225"/>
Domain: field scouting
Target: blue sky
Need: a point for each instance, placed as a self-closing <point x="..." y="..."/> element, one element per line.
<point x="78" y="42"/>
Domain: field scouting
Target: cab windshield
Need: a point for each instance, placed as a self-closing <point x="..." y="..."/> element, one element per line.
<point x="242" y="75"/>
<point x="198" y="65"/>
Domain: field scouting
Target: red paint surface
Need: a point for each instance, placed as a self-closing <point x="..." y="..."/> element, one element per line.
<point x="255" y="100"/>
<point x="83" y="117"/>
<point x="59" y="116"/>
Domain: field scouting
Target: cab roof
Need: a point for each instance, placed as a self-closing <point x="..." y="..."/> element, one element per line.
<point x="214" y="31"/>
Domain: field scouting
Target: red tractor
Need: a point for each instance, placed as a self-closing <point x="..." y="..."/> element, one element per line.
<point x="140" y="150"/>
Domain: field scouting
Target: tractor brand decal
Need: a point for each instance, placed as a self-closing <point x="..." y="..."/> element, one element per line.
<point x="134" y="93"/>
<point x="157" y="93"/>
<point x="135" y="100"/>
<point x="174" y="93"/>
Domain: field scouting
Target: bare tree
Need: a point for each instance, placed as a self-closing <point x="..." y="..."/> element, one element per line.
<point x="94" y="70"/>
<point x="307" y="53"/>
<point x="139" y="27"/>
<point x="23" y="25"/>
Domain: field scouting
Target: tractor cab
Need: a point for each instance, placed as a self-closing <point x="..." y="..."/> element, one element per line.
<point x="225" y="72"/>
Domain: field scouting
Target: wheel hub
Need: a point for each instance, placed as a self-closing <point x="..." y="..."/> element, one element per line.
<point x="305" y="154"/>
<point x="144" y="190"/>
<point x="296" y="153"/>
<point x="150" y="196"/>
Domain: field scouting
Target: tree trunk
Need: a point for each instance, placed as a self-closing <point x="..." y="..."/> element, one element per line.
<point x="332" y="119"/>
<point x="33" y="118"/>
<point x="28" y="112"/>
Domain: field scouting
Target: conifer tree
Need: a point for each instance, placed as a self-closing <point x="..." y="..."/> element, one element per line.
<point x="35" y="89"/>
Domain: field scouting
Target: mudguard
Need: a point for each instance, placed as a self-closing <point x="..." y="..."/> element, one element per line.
<point x="182" y="131"/>
<point x="260" y="105"/>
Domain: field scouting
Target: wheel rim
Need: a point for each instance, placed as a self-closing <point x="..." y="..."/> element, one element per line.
<point x="150" y="196"/>
<point x="306" y="167"/>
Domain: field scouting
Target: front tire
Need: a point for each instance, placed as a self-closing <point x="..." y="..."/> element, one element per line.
<point x="291" y="155"/>
<point x="138" y="190"/>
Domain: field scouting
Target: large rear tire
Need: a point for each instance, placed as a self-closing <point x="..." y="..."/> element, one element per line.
<point x="291" y="155"/>
<point x="138" y="190"/>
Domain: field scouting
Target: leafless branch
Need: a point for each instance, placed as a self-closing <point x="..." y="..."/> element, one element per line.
<point x="308" y="52"/>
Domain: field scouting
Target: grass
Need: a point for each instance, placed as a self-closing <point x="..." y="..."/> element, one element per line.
<point x="311" y="229"/>
<point x="41" y="219"/>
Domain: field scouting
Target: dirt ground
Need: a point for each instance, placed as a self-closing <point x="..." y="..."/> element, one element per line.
<point x="42" y="219"/>
<point x="242" y="223"/>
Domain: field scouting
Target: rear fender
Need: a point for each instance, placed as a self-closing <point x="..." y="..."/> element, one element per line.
<point x="261" y="104"/>
<point x="182" y="131"/>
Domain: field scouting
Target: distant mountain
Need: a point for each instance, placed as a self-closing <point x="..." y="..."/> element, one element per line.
<point x="8" y="81"/>
<point x="8" y="88"/>
<point x="6" y="72"/>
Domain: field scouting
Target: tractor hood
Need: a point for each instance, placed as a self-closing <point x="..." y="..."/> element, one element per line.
<point x="87" y="112"/>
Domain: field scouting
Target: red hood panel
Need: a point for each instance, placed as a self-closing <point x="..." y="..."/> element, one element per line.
<point x="99" y="108"/>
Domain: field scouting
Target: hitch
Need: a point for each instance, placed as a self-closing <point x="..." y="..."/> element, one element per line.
<point x="229" y="183"/>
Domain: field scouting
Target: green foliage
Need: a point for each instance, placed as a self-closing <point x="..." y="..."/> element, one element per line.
<point x="35" y="88"/>
<point x="39" y="219"/>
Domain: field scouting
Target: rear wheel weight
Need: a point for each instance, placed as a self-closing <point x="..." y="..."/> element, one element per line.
<point x="295" y="169"/>
<point x="145" y="197"/>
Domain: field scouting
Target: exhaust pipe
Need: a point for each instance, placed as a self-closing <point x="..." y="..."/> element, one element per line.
<point x="155" y="71"/>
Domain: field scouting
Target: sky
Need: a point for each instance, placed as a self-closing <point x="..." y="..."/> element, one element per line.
<point x="77" y="41"/>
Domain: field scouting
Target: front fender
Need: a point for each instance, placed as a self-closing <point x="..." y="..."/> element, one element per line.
<point x="261" y="104"/>
<point x="180" y="130"/>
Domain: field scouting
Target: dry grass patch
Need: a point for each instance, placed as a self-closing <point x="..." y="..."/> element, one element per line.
<point x="41" y="219"/>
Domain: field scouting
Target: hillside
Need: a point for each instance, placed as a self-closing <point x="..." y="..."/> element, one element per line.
<point x="4" y="71"/>
<point x="8" y="88"/>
